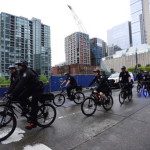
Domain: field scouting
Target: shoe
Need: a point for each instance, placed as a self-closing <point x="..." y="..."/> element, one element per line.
<point x="30" y="126"/>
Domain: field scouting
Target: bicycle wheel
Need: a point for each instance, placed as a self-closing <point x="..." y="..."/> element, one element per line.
<point x="88" y="107"/>
<point x="6" y="108"/>
<point x="7" y="127"/>
<point x="108" y="103"/>
<point x="59" y="100"/>
<point x="145" y="92"/>
<point x="122" y="97"/>
<point x="79" y="97"/>
<point x="130" y="96"/>
<point x="46" y="115"/>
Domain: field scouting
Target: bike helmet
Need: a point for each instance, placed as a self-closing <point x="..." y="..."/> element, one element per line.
<point x="12" y="66"/>
<point x="22" y="62"/>
<point x="97" y="70"/>
<point x="123" y="67"/>
<point x="66" y="73"/>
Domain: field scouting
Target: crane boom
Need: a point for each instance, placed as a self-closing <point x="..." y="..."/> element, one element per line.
<point x="77" y="20"/>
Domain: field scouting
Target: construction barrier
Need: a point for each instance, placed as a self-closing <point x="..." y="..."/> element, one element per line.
<point x="82" y="80"/>
<point x="55" y="82"/>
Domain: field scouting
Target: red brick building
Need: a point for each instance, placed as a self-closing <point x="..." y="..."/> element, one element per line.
<point x="74" y="69"/>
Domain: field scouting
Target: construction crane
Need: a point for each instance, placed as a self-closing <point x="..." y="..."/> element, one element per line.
<point x="83" y="29"/>
<point x="77" y="20"/>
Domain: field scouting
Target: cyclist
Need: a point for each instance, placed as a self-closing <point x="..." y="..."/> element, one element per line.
<point x="96" y="79"/>
<point x="109" y="91"/>
<point x="70" y="82"/>
<point x="146" y="76"/>
<point x="26" y="85"/>
<point x="101" y="83"/>
<point x="14" y="74"/>
<point x="139" y="77"/>
<point x="125" y="78"/>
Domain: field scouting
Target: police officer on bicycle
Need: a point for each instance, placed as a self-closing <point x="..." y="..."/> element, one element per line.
<point x="26" y="85"/>
<point x="101" y="83"/>
<point x="125" y="78"/>
<point x="14" y="74"/>
<point x="146" y="76"/>
<point x="70" y="82"/>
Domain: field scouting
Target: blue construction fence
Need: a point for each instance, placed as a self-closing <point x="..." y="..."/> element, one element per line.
<point x="82" y="80"/>
<point x="55" y="82"/>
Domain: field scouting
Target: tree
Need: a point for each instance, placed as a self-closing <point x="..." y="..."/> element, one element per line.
<point x="131" y="69"/>
<point x="148" y="65"/>
<point x="112" y="71"/>
<point x="4" y="81"/>
<point x="43" y="79"/>
<point x="147" y="69"/>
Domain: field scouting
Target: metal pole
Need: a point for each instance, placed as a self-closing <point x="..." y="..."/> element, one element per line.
<point x="136" y="59"/>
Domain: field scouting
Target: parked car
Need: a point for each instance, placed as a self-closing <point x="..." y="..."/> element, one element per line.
<point x="114" y="79"/>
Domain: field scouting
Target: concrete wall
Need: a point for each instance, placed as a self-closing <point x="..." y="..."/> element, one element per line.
<point x="128" y="61"/>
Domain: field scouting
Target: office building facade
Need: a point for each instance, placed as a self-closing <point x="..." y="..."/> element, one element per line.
<point x="120" y="36"/>
<point x="21" y="38"/>
<point x="77" y="48"/>
<point x="140" y="21"/>
<point x="97" y="50"/>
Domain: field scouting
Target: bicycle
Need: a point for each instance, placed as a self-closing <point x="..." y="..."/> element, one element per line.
<point x="126" y="92"/>
<point x="146" y="88"/>
<point x="76" y="95"/>
<point x="46" y="115"/>
<point x="89" y="105"/>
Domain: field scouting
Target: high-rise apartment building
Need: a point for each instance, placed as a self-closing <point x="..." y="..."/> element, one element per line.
<point x="21" y="38"/>
<point x="120" y="36"/>
<point x="98" y="50"/>
<point x="140" y="21"/>
<point x="77" y="48"/>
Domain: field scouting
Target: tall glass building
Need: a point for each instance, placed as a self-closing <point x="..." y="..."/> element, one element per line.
<point x="120" y="36"/>
<point x="140" y="21"/>
<point x="21" y="38"/>
<point x="96" y="48"/>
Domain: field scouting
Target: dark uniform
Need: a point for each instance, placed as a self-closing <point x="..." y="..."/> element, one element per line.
<point x="125" y="79"/>
<point x="101" y="83"/>
<point x="26" y="85"/>
<point x="124" y="76"/>
<point x="146" y="77"/>
<point x="13" y="77"/>
<point x="72" y="85"/>
<point x="139" y="77"/>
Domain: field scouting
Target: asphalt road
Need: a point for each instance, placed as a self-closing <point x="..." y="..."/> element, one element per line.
<point x="125" y="127"/>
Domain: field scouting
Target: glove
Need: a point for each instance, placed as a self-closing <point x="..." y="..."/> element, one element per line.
<point x="9" y="96"/>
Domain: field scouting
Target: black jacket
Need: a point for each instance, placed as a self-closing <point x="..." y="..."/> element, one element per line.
<point x="13" y="77"/>
<point x="101" y="81"/>
<point x="27" y="79"/>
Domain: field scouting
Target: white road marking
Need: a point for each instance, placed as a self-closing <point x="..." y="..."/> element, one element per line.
<point x="16" y="136"/>
<point x="37" y="147"/>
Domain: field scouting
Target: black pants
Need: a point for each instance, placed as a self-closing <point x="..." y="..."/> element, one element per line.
<point x="35" y="93"/>
<point x="34" y="105"/>
<point x="69" y="90"/>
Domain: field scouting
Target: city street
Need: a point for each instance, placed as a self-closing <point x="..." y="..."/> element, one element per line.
<point x="125" y="127"/>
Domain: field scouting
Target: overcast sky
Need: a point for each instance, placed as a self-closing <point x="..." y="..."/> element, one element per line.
<point x="97" y="16"/>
